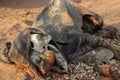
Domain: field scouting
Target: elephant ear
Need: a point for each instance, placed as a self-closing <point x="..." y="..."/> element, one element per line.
<point x="59" y="57"/>
<point x="57" y="17"/>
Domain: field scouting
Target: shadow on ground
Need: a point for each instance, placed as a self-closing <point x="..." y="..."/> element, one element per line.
<point x="16" y="4"/>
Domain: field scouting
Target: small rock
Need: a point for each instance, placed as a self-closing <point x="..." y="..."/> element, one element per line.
<point x="87" y="67"/>
<point x="89" y="71"/>
<point x="92" y="78"/>
<point x="115" y="68"/>
<point x="119" y="72"/>
<point x="73" y="78"/>
<point x="27" y="13"/>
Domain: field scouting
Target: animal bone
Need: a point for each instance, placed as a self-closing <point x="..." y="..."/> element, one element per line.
<point x="40" y="41"/>
<point x="41" y="44"/>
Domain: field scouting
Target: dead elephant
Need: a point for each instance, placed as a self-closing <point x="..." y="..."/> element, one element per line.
<point x="68" y="32"/>
<point x="71" y="28"/>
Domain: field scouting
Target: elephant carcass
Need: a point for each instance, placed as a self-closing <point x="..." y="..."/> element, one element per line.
<point x="59" y="18"/>
<point x="66" y="24"/>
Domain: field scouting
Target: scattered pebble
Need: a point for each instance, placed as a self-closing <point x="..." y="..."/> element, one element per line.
<point x="73" y="78"/>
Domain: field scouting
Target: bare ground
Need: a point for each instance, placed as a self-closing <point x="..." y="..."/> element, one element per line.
<point x="16" y="15"/>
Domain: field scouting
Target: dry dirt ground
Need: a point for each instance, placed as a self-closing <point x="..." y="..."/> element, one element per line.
<point x="16" y="15"/>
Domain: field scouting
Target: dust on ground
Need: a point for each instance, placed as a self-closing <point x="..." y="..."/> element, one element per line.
<point x="16" y="15"/>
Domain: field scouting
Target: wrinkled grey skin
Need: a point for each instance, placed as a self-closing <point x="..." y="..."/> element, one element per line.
<point x="68" y="27"/>
<point x="20" y="51"/>
<point x="96" y="56"/>
<point x="58" y="19"/>
<point x="109" y="32"/>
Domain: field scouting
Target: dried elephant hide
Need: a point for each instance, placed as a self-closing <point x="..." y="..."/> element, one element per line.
<point x="59" y="18"/>
<point x="68" y="27"/>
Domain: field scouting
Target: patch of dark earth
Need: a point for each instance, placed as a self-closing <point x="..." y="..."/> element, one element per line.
<point x="82" y="71"/>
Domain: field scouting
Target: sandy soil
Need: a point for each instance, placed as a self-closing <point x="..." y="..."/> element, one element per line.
<point x="16" y="15"/>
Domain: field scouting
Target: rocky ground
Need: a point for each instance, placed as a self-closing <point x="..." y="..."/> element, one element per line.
<point x="16" y="15"/>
